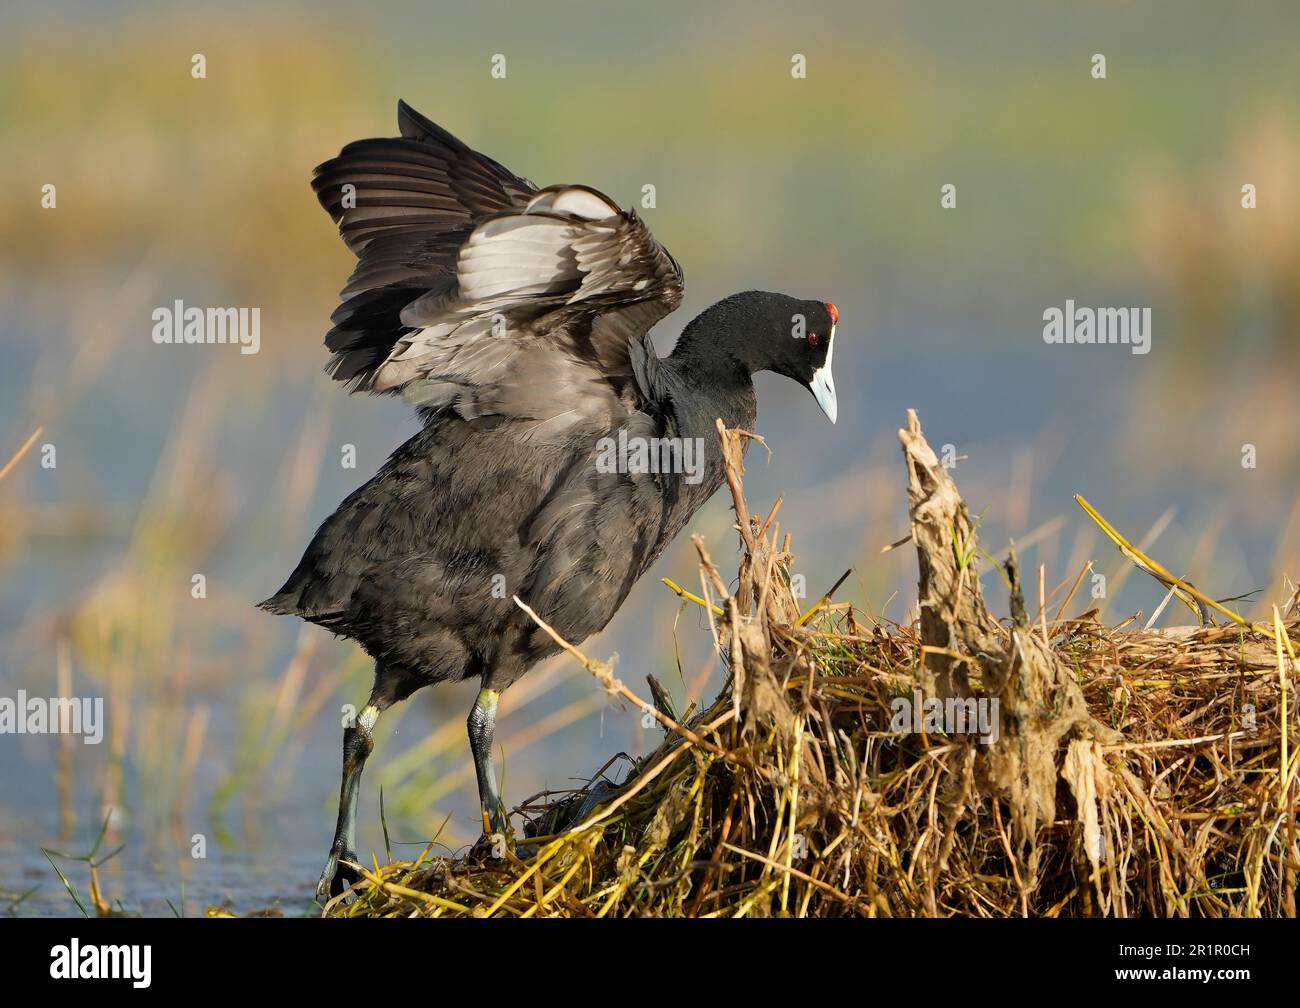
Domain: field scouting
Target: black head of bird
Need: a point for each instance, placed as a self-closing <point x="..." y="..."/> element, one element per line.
<point x="762" y="331"/>
<point x="517" y="321"/>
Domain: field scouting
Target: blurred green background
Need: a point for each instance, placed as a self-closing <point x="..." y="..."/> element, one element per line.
<point x="224" y="722"/>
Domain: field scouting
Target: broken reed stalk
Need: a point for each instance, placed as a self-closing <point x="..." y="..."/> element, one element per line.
<point x="1135" y="773"/>
<point x="1020" y="669"/>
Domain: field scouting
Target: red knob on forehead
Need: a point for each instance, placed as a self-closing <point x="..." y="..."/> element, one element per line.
<point x="835" y="313"/>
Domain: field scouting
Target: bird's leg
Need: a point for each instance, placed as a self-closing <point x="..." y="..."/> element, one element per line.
<point x="482" y="725"/>
<point x="358" y="741"/>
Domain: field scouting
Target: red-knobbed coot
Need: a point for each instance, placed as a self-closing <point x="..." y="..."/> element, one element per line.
<point x="559" y="454"/>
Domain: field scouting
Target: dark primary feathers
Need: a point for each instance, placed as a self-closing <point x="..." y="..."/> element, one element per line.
<point x="476" y="291"/>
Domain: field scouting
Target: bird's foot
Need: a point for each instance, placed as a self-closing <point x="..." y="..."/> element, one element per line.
<point x="497" y="846"/>
<point x="489" y="847"/>
<point x="526" y="851"/>
<point x="337" y="876"/>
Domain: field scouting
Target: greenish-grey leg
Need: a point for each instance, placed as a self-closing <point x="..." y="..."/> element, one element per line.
<point x="482" y="725"/>
<point x="358" y="742"/>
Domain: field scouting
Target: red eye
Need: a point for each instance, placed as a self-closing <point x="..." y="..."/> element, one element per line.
<point x="814" y="339"/>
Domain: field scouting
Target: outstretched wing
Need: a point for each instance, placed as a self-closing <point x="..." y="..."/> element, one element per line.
<point x="478" y="293"/>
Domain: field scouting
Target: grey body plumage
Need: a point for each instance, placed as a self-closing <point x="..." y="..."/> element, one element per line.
<point x="517" y="321"/>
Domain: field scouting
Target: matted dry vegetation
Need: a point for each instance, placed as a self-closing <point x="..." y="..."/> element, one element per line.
<point x="1135" y="773"/>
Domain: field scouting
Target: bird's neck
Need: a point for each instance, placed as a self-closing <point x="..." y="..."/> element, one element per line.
<point x="718" y="386"/>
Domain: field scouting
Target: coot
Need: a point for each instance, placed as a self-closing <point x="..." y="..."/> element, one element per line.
<point x="559" y="454"/>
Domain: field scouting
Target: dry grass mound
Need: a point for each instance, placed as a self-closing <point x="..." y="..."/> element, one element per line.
<point x="1119" y="773"/>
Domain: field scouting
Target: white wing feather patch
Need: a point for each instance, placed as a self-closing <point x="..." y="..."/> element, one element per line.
<point x="518" y="255"/>
<point x="574" y="201"/>
<point x="569" y="241"/>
